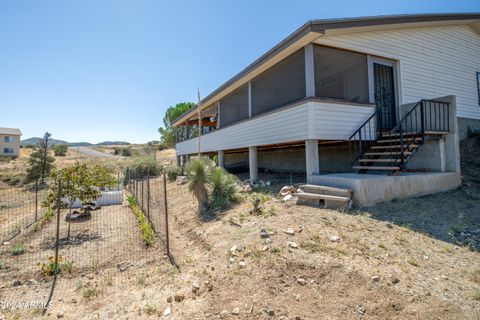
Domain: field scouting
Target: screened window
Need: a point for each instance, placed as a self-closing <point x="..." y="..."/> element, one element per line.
<point x="8" y="139"/>
<point x="340" y="74"/>
<point x="8" y="150"/>
<point x="281" y="84"/>
<point x="234" y="107"/>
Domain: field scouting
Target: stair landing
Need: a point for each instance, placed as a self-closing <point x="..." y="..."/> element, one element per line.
<point x="369" y="189"/>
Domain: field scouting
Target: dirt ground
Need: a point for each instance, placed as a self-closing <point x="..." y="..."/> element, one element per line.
<point x="399" y="260"/>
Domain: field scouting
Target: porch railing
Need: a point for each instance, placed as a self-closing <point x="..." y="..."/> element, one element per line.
<point x="426" y="116"/>
<point x="365" y="135"/>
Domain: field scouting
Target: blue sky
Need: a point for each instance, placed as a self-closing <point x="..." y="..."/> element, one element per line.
<point x="96" y="70"/>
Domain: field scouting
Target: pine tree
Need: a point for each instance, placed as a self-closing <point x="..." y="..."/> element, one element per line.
<point x="41" y="163"/>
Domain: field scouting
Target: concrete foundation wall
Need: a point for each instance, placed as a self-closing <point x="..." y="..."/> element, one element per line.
<point x="370" y="189"/>
<point x="427" y="156"/>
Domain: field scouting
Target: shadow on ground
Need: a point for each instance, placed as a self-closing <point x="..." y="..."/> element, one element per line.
<point x="451" y="216"/>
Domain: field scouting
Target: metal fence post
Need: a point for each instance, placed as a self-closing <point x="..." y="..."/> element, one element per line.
<point x="142" y="195"/>
<point x="165" y="203"/>
<point x="148" y="197"/>
<point x="136" y="189"/>
<point x="57" y="244"/>
<point x="36" y="199"/>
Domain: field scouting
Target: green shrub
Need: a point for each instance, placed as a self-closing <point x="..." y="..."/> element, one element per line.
<point x="224" y="188"/>
<point x="117" y="151"/>
<point x="148" y="235"/>
<point x="132" y="201"/>
<point x="127" y="152"/>
<point x="173" y="173"/>
<point x="48" y="269"/>
<point x="60" y="150"/>
<point x="19" y="249"/>
<point x="145" y="166"/>
<point x="2" y="265"/>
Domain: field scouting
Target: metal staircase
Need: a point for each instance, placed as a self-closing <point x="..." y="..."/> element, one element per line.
<point x="388" y="152"/>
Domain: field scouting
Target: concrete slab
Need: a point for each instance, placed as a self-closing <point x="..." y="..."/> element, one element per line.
<point x="369" y="189"/>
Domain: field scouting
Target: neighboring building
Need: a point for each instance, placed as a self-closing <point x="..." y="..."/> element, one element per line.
<point x="374" y="94"/>
<point x="10" y="141"/>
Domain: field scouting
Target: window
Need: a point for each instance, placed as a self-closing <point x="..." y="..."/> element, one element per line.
<point x="478" y="87"/>
<point x="8" y="150"/>
<point x="234" y="107"/>
<point x="340" y="74"/>
<point x="8" y="139"/>
<point x="281" y="84"/>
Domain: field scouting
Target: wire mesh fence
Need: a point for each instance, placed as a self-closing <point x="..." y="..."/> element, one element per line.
<point x="150" y="192"/>
<point x="76" y="241"/>
<point x="20" y="208"/>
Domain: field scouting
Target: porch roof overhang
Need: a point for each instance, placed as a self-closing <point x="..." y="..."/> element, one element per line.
<point x="317" y="28"/>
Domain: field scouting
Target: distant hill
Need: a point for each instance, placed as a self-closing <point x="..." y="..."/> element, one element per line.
<point x="34" y="140"/>
<point x="113" y="143"/>
<point x="79" y="144"/>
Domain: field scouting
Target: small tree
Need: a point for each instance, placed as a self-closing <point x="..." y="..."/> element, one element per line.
<point x="82" y="183"/>
<point x="198" y="174"/>
<point x="168" y="132"/>
<point x="60" y="150"/>
<point x="40" y="162"/>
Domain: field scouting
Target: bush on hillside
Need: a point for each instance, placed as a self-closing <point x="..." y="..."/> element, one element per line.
<point x="60" y="150"/>
<point x="173" y="173"/>
<point x="145" y="166"/>
<point x="126" y="152"/>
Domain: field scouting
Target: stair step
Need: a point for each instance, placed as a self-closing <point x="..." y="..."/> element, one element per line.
<point x="387" y="153"/>
<point x="380" y="160"/>
<point x="398" y="140"/>
<point x="312" y="188"/>
<point x="395" y="146"/>
<point x="396" y="134"/>
<point x="380" y="168"/>
<point x="316" y="196"/>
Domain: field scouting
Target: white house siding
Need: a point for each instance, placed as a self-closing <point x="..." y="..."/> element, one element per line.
<point x="311" y="120"/>
<point x="336" y="121"/>
<point x="434" y="61"/>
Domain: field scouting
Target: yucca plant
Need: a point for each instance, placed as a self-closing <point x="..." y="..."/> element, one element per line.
<point x="224" y="188"/>
<point x="198" y="174"/>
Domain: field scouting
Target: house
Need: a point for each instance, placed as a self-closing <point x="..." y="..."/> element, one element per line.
<point x="374" y="104"/>
<point x="10" y="141"/>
